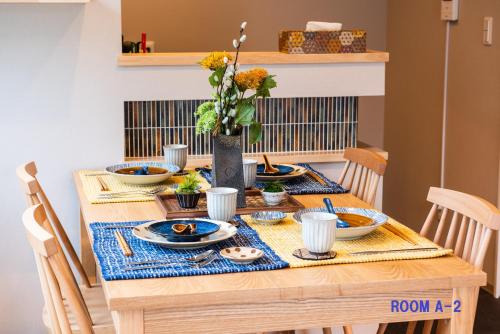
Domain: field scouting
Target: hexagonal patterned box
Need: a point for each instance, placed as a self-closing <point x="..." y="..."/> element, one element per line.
<point x="345" y="41"/>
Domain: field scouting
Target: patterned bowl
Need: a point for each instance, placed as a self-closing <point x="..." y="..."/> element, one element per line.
<point x="268" y="217"/>
<point x="143" y="179"/>
<point x="373" y="218"/>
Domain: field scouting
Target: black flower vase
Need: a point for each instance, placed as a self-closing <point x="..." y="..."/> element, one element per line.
<point x="227" y="165"/>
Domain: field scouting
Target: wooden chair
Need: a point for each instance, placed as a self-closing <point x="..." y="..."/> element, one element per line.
<point x="82" y="311"/>
<point x="35" y="195"/>
<point x="465" y="224"/>
<point x="365" y="168"/>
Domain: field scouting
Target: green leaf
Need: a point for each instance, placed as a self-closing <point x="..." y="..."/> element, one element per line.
<point x="244" y="114"/>
<point x="267" y="84"/>
<point x="255" y="133"/>
<point x="216" y="77"/>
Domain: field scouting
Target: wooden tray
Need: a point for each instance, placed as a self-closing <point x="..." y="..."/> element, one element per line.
<point x="255" y="202"/>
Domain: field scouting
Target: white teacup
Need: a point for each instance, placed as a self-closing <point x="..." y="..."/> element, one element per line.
<point x="249" y="172"/>
<point x="221" y="203"/>
<point x="176" y="154"/>
<point x="318" y="231"/>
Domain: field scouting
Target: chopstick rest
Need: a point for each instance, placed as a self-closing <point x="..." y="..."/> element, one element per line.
<point x="123" y="244"/>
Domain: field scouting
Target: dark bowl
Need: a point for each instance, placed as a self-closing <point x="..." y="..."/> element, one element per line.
<point x="203" y="229"/>
<point x="282" y="170"/>
<point x="188" y="201"/>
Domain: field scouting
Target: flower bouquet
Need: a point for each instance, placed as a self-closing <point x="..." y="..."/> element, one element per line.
<point x="233" y="105"/>
<point x="232" y="108"/>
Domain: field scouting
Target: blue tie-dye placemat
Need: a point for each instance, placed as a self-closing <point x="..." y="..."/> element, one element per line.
<point x="302" y="185"/>
<point x="113" y="262"/>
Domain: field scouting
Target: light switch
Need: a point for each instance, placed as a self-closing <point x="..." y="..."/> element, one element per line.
<point x="449" y="10"/>
<point x="488" y="30"/>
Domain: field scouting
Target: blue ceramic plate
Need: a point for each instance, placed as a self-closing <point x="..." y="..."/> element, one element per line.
<point x="283" y="170"/>
<point x="203" y="229"/>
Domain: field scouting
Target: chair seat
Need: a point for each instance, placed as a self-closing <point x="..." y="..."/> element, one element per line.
<point x="101" y="317"/>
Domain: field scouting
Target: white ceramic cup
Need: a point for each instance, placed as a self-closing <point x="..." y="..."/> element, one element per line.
<point x="318" y="231"/>
<point x="249" y="172"/>
<point x="221" y="203"/>
<point x="176" y="154"/>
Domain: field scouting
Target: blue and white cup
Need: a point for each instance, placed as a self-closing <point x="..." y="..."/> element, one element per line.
<point x="221" y="203"/>
<point x="319" y="231"/>
<point x="176" y="154"/>
<point x="249" y="172"/>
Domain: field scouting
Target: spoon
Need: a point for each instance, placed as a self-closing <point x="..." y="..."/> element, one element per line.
<point x="329" y="207"/>
<point x="201" y="256"/>
<point x="268" y="167"/>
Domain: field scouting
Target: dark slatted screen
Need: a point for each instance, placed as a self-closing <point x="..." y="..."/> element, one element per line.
<point x="324" y="124"/>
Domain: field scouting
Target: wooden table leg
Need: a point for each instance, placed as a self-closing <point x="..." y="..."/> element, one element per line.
<point x="129" y="321"/>
<point x="462" y="322"/>
<point x="88" y="261"/>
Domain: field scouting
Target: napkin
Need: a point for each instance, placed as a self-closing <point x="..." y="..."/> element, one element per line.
<point x="323" y="26"/>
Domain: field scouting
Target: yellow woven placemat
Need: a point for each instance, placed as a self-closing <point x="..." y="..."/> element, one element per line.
<point x="286" y="237"/>
<point x="92" y="188"/>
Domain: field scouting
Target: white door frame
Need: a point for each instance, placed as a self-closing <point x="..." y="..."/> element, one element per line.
<point x="496" y="288"/>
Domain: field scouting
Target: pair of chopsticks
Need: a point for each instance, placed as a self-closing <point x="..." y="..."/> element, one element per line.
<point x="104" y="185"/>
<point x="402" y="250"/>
<point x="316" y="177"/>
<point x="398" y="233"/>
<point x="123" y="244"/>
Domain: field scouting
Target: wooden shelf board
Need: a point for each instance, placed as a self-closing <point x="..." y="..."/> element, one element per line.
<point x="192" y="58"/>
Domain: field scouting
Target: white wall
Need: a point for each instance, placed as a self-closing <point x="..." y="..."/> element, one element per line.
<point x="61" y="104"/>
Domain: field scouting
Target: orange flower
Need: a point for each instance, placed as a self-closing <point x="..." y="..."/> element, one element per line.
<point x="215" y="60"/>
<point x="251" y="79"/>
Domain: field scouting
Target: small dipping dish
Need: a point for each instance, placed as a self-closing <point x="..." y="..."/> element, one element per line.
<point x="268" y="217"/>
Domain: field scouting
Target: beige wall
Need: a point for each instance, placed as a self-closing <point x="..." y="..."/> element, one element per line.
<point x="200" y="25"/>
<point x="414" y="97"/>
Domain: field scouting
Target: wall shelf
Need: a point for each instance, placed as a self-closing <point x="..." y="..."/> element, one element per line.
<point x="192" y="58"/>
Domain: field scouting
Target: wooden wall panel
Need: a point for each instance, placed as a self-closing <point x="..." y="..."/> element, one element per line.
<point x="414" y="97"/>
<point x="473" y="127"/>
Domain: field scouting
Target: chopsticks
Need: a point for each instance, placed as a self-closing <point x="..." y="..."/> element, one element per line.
<point x="104" y="186"/>
<point x="395" y="251"/>
<point x="316" y="177"/>
<point x="123" y="244"/>
<point x="395" y="231"/>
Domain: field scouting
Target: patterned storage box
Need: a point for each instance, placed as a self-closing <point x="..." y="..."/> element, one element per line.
<point x="345" y="41"/>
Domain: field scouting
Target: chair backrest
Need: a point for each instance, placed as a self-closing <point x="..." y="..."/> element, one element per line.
<point x="35" y="195"/>
<point x="364" y="168"/>
<point x="468" y="220"/>
<point x="57" y="281"/>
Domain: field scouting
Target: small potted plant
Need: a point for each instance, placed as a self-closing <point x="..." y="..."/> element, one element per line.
<point x="187" y="193"/>
<point x="273" y="193"/>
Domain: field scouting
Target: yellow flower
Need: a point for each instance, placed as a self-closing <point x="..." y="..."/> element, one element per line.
<point x="251" y="79"/>
<point x="215" y="60"/>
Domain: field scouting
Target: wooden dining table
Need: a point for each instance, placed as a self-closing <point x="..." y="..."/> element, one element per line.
<point x="284" y="299"/>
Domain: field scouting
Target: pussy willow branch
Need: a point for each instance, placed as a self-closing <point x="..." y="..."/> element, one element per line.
<point x="230" y="124"/>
